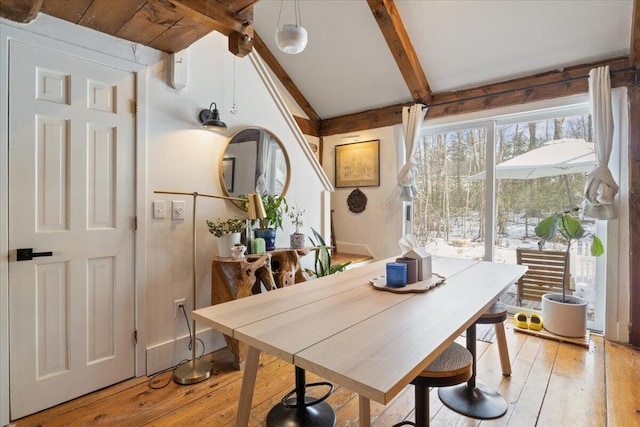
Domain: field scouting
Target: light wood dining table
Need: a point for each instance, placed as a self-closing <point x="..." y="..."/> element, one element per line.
<point x="343" y="329"/>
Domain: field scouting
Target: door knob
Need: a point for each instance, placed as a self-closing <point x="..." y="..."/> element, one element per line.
<point x="27" y="254"/>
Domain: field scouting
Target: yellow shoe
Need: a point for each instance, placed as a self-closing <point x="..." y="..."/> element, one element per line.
<point x="521" y="320"/>
<point x="535" y="322"/>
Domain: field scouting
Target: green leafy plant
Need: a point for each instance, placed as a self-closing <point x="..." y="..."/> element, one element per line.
<point x="566" y="225"/>
<point x="231" y="225"/>
<point x="322" y="262"/>
<point x="295" y="214"/>
<point x="274" y="206"/>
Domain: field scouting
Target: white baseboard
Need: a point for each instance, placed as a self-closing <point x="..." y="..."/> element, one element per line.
<point x="170" y="353"/>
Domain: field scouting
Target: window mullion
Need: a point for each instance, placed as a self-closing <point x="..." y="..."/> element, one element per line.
<point x="490" y="192"/>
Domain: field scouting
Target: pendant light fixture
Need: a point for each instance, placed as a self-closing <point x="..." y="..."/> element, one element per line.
<point x="291" y="38"/>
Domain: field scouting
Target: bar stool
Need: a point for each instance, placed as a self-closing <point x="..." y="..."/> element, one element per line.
<point x="303" y="410"/>
<point x="471" y="399"/>
<point x="453" y="366"/>
<point x="497" y="314"/>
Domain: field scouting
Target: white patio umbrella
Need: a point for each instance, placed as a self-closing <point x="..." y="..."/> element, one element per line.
<point x="558" y="157"/>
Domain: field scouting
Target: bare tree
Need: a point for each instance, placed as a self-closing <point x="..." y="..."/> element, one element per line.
<point x="557" y="128"/>
<point x="532" y="135"/>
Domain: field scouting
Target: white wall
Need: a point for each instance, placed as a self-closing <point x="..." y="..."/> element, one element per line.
<point x="183" y="157"/>
<point x="174" y="155"/>
<point x="375" y="231"/>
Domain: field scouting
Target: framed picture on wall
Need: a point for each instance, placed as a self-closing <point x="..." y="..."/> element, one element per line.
<point x="358" y="164"/>
<point x="228" y="172"/>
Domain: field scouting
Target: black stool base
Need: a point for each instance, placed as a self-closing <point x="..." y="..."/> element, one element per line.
<point x="479" y="402"/>
<point x="319" y="415"/>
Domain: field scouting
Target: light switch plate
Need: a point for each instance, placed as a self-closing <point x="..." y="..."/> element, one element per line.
<point x="159" y="209"/>
<point x="177" y="209"/>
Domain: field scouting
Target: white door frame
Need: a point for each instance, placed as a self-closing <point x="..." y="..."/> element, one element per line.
<point x="73" y="40"/>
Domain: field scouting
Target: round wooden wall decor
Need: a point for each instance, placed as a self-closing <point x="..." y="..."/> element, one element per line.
<point x="357" y="201"/>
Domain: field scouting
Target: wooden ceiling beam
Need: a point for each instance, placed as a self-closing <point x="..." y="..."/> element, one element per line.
<point x="634" y="48"/>
<point x="236" y="24"/>
<point x="538" y="87"/>
<point x="22" y="11"/>
<point x="308" y="127"/>
<point x="215" y="10"/>
<point x="371" y="119"/>
<point x="555" y="84"/>
<point x="284" y="78"/>
<point x="395" y="33"/>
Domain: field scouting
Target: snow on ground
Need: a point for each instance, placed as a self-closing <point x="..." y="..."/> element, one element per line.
<point x="505" y="251"/>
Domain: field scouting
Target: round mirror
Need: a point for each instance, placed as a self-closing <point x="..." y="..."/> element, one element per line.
<point x="254" y="160"/>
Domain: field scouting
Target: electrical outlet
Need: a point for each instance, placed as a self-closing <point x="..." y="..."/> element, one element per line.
<point x="177" y="311"/>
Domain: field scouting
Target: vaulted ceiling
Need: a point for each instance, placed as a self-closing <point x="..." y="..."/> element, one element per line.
<point x="367" y="58"/>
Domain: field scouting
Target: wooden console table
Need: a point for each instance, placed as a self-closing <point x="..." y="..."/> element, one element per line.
<point x="233" y="278"/>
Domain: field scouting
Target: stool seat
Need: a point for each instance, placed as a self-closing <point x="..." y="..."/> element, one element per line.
<point x="453" y="366"/>
<point x="497" y="313"/>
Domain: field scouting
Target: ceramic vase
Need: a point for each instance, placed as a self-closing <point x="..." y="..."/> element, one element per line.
<point x="296" y="240"/>
<point x="226" y="242"/>
<point x="567" y="319"/>
<point x="269" y="236"/>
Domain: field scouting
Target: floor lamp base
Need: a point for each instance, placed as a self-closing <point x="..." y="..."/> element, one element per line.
<point x="193" y="371"/>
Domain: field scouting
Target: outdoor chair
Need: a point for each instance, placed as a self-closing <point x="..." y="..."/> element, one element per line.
<point x="545" y="274"/>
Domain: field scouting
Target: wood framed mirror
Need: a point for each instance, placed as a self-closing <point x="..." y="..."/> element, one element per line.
<point x="254" y="159"/>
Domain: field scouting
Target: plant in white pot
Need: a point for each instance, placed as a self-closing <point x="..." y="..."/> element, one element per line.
<point x="296" y="239"/>
<point x="563" y="314"/>
<point x="228" y="233"/>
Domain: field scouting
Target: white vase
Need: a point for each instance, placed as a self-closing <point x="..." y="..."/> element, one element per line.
<point x="567" y="319"/>
<point x="226" y="242"/>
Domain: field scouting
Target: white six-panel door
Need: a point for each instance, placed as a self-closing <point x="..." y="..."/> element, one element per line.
<point x="71" y="185"/>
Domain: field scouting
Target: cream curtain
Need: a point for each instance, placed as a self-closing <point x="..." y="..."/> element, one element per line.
<point x="600" y="187"/>
<point x="412" y="118"/>
<point x="262" y="163"/>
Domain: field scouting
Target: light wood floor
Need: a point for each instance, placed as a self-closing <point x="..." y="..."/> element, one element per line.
<point x="553" y="384"/>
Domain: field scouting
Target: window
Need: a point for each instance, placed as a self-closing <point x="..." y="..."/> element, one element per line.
<point x="483" y="187"/>
<point x="449" y="209"/>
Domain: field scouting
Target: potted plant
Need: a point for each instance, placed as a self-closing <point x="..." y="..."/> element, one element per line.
<point x="322" y="262"/>
<point x="275" y="207"/>
<point x="228" y="233"/>
<point x="296" y="239"/>
<point x="563" y="314"/>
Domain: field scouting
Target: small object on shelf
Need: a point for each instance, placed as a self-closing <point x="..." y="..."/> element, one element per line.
<point x="259" y="245"/>
<point x="226" y="243"/>
<point x="296" y="240"/>
<point x="237" y="251"/>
